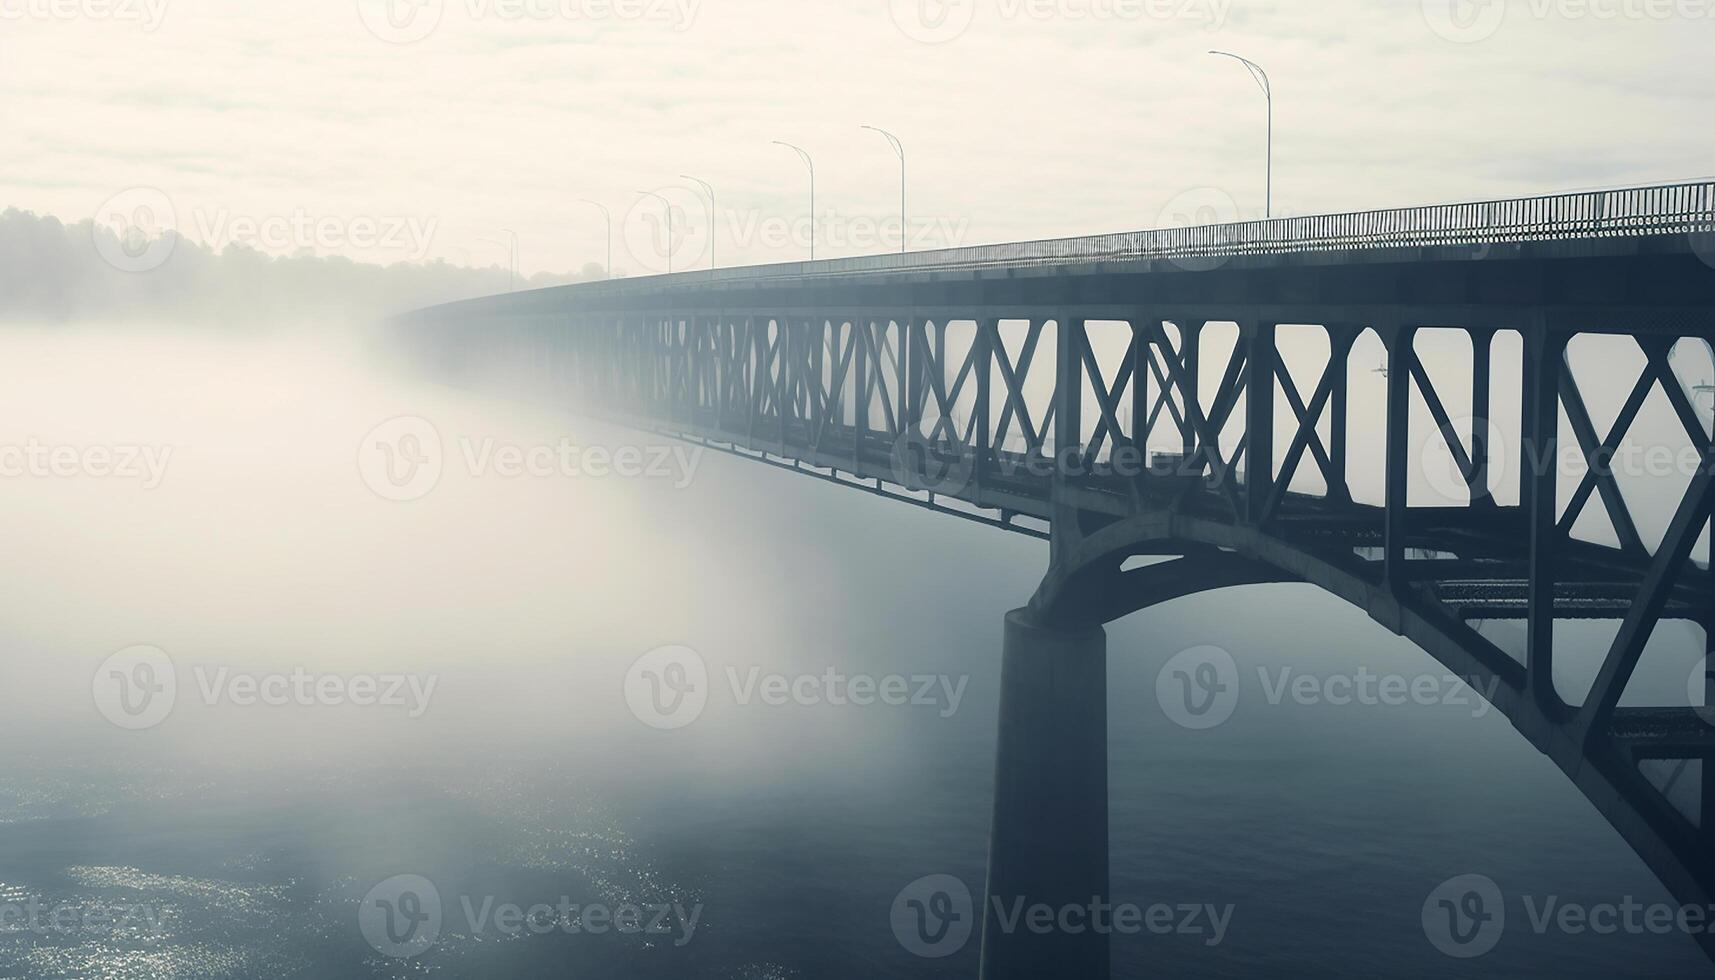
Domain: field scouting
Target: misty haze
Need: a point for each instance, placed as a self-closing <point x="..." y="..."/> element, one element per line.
<point x="765" y="491"/>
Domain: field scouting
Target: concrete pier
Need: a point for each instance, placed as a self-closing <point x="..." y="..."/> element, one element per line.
<point x="1048" y="846"/>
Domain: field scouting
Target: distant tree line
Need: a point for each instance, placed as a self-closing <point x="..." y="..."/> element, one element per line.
<point x="51" y="272"/>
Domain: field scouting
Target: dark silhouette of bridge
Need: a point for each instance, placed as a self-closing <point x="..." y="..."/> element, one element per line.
<point x="1063" y="389"/>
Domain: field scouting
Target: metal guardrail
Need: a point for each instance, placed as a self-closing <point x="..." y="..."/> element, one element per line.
<point x="1648" y="210"/>
<point x="1668" y="209"/>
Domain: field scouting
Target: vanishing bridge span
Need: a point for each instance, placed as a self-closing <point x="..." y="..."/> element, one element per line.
<point x="1128" y="397"/>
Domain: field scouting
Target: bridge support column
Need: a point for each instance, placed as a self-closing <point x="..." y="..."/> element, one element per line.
<point x="1048" y="846"/>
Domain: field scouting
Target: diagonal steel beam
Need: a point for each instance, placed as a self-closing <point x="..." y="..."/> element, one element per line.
<point x="1628" y="646"/>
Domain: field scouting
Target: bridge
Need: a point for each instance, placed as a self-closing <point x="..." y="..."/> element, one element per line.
<point x="1128" y="398"/>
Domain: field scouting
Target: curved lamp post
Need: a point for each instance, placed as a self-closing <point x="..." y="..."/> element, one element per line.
<point x="812" y="165"/>
<point x="511" y="257"/>
<point x="899" y="149"/>
<point x="605" y="213"/>
<point x="668" y="205"/>
<point x="1261" y="78"/>
<point x="708" y="189"/>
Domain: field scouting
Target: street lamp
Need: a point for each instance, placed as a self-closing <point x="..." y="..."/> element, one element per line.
<point x="609" y="216"/>
<point x="898" y="148"/>
<point x="1705" y="390"/>
<point x="668" y="205"/>
<point x="1699" y="391"/>
<point x="710" y="191"/>
<point x="511" y="257"/>
<point x="1261" y="78"/>
<point x="812" y="165"/>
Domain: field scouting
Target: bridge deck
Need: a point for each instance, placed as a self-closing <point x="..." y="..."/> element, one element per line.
<point x="1624" y="221"/>
<point x="848" y="369"/>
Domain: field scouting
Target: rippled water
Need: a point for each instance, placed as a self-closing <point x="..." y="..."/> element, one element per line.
<point x="243" y="842"/>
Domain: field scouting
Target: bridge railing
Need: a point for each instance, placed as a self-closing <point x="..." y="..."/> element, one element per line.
<point x="1670" y="209"/>
<point x="1682" y="209"/>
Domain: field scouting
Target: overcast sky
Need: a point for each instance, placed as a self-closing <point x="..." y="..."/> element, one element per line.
<point x="328" y="124"/>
